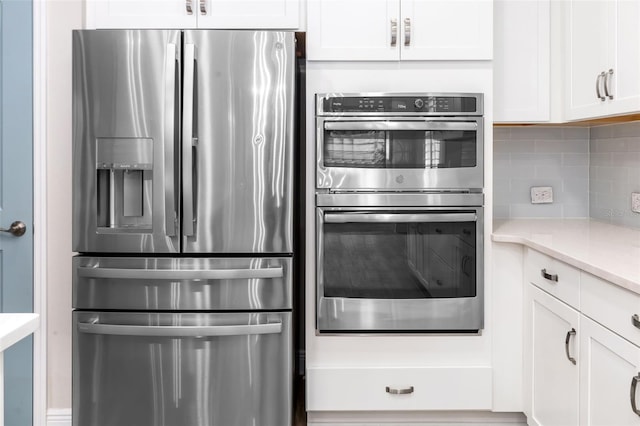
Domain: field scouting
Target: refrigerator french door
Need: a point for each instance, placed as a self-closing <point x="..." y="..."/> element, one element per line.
<point x="183" y="141"/>
<point x="182" y="210"/>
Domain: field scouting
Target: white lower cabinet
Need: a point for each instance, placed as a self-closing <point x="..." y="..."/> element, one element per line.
<point x="551" y="357"/>
<point x="609" y="371"/>
<point x="578" y="371"/>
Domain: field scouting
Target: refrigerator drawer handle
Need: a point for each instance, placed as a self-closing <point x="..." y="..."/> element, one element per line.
<point x="400" y="125"/>
<point x="171" y="108"/>
<point x="179" y="331"/>
<point x="180" y="274"/>
<point x="398" y="217"/>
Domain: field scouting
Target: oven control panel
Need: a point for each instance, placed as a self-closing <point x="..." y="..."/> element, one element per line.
<point x="425" y="104"/>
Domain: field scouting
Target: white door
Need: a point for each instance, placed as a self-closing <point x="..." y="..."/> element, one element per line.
<point x="552" y="357"/>
<point x="135" y="14"/>
<point x="589" y="43"/>
<point x="608" y="366"/>
<point x="354" y="30"/>
<point x="625" y="79"/>
<point x="446" y="29"/>
<point x="16" y="148"/>
<point x="250" y="14"/>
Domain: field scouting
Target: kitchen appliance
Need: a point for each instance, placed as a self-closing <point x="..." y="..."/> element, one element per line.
<point x="183" y="218"/>
<point x="399" y="213"/>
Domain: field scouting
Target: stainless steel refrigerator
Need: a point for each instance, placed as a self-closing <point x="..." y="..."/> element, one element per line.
<point x="183" y="148"/>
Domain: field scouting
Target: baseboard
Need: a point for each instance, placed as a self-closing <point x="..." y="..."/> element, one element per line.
<point x="424" y="418"/>
<point x="59" y="417"/>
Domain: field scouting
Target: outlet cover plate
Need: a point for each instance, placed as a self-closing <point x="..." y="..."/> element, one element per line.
<point x="541" y="194"/>
<point x="635" y="202"/>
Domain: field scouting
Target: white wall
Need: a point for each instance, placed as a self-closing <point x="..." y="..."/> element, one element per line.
<point x="62" y="17"/>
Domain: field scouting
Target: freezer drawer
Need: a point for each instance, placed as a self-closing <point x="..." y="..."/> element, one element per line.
<point x="187" y="369"/>
<point x="179" y="284"/>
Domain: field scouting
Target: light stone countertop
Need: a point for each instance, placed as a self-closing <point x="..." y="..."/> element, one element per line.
<point x="15" y="327"/>
<point x="607" y="251"/>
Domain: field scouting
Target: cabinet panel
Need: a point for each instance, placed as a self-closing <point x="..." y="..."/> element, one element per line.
<point x="141" y="14"/>
<point x="552" y="388"/>
<point x="253" y="14"/>
<point x="589" y="32"/>
<point x="365" y="389"/>
<point x="625" y="80"/>
<point x="608" y="366"/>
<point x="566" y="285"/>
<point x="355" y="30"/>
<point x="446" y="29"/>
<point x="521" y="61"/>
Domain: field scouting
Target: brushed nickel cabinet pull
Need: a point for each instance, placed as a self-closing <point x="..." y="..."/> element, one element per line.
<point x="394" y="32"/>
<point x="203" y="7"/>
<point x="598" y="94"/>
<point x="403" y="391"/>
<point x="635" y="320"/>
<point x="607" y="79"/>
<point x="634" y="386"/>
<point x="548" y="276"/>
<point x="407" y="32"/>
<point x="189" y="7"/>
<point x="570" y="333"/>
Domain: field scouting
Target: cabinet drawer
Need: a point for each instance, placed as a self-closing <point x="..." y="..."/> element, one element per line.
<point x="611" y="306"/>
<point x="433" y="388"/>
<point x="563" y="281"/>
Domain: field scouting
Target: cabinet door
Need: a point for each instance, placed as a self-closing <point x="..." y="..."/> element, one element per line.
<point x="589" y="43"/>
<point x="141" y="13"/>
<point x="551" y="355"/>
<point x="521" y="61"/>
<point x="355" y="30"/>
<point x="445" y="29"/>
<point x="253" y="14"/>
<point x="624" y="82"/>
<point x="608" y="365"/>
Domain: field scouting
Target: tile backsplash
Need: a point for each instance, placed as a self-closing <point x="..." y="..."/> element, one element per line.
<point x="614" y="173"/>
<point x="541" y="156"/>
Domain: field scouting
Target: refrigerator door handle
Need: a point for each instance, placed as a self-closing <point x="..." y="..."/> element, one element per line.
<point x="187" y="139"/>
<point x="170" y="142"/>
<point x="179" y="331"/>
<point x="180" y="274"/>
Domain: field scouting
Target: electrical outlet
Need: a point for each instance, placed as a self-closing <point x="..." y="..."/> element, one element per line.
<point x="541" y="194"/>
<point x="635" y="202"/>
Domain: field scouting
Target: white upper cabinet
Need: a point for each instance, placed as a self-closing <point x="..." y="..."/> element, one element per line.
<point x="391" y="30"/>
<point x="241" y="14"/>
<point x="603" y="58"/>
<point x="521" y="61"/>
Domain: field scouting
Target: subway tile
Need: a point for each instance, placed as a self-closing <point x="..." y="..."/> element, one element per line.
<point x="625" y="159"/>
<point x="600" y="159"/>
<point x="535" y="210"/>
<point x="614" y="174"/>
<point x="501" y="211"/>
<point x="632" y="143"/>
<point x="560" y="146"/>
<point x="536" y="132"/>
<point x="575" y="210"/>
<point x="575" y="159"/>
<point x="576" y="189"/>
<point x="602" y="132"/>
<point x="501" y="133"/>
<point x="514" y="146"/>
<point x="608" y="145"/>
<point x="626" y="129"/>
<point x="571" y="132"/>
<point x="600" y="186"/>
<point x="537" y="159"/>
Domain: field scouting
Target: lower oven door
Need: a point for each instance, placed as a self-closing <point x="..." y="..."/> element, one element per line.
<point x="408" y="270"/>
<point x="188" y="369"/>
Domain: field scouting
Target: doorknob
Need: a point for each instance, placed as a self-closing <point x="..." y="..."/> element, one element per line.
<point x="17" y="229"/>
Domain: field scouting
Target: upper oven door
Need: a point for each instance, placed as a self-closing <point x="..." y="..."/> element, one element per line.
<point x="386" y="269"/>
<point x="403" y="153"/>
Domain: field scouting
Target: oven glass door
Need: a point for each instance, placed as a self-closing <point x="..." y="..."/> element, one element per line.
<point x="392" y="264"/>
<point x="400" y="145"/>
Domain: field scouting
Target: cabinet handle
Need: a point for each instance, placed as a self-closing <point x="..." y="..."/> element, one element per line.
<point x="602" y="98"/>
<point x="404" y="391"/>
<point x="635" y="320"/>
<point x="407" y="31"/>
<point x="570" y="333"/>
<point x="394" y="32"/>
<point x="607" y="79"/>
<point x="634" y="385"/>
<point x="203" y="7"/>
<point x="548" y="276"/>
<point x="189" y="8"/>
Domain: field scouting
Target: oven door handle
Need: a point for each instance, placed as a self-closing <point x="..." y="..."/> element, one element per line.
<point x="179" y="331"/>
<point x="180" y="274"/>
<point x="400" y="125"/>
<point x="398" y="217"/>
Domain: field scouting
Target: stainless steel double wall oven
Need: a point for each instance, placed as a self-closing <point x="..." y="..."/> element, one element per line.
<point x="399" y="212"/>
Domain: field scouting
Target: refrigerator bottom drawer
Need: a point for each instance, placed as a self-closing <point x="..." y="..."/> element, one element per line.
<point x="186" y="369"/>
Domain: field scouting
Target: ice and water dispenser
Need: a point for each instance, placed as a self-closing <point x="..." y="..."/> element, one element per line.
<point x="124" y="172"/>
